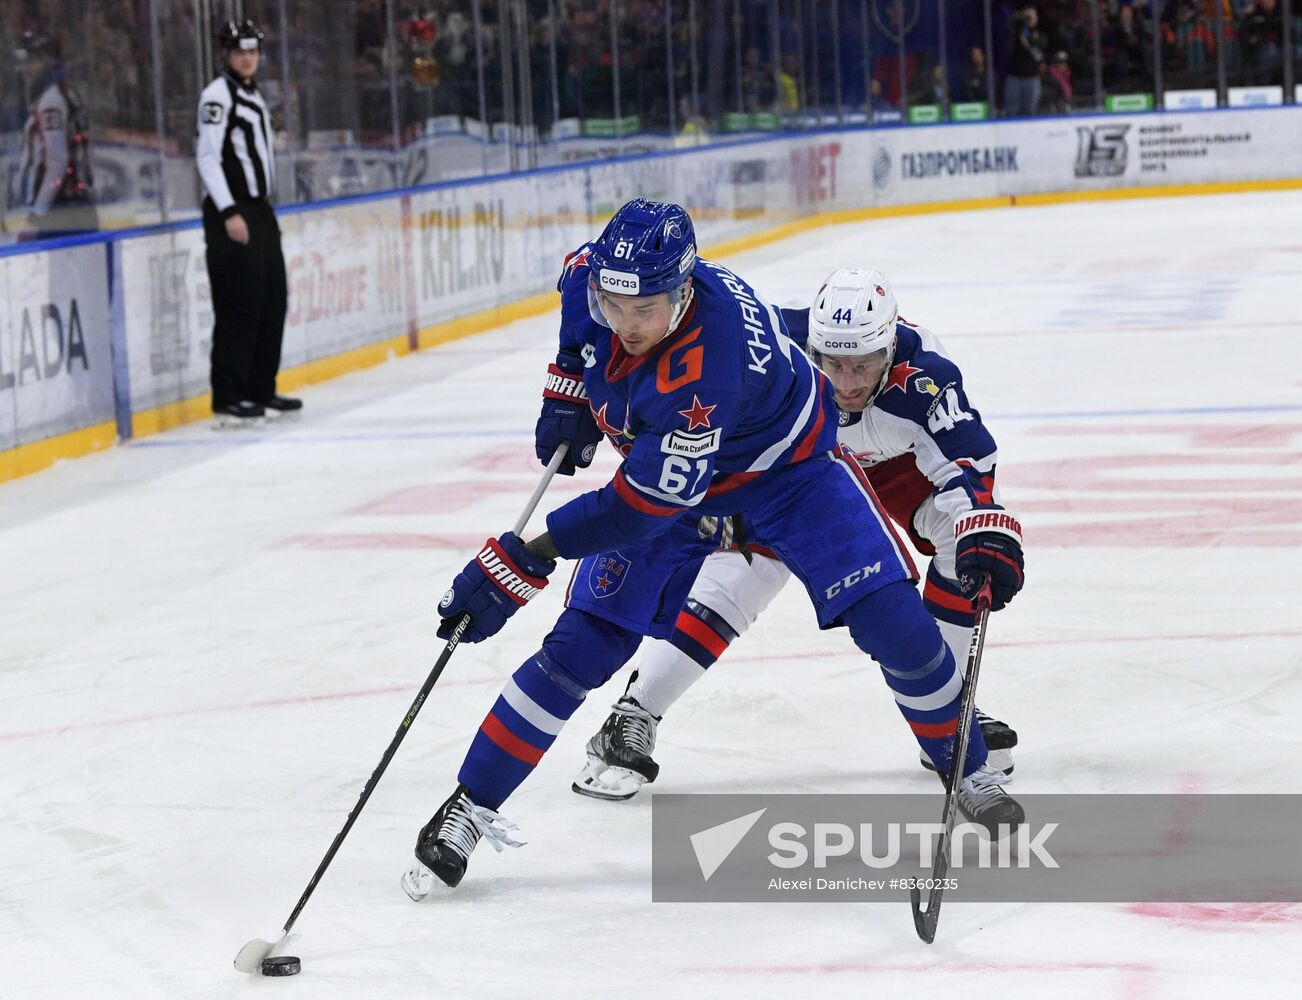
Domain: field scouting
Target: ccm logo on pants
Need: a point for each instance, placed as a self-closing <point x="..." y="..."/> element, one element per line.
<point x="852" y="579"/>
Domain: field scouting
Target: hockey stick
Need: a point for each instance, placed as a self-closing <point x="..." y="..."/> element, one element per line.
<point x="924" y="921"/>
<point x="249" y="959"/>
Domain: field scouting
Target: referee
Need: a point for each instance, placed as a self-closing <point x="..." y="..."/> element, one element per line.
<point x="246" y="268"/>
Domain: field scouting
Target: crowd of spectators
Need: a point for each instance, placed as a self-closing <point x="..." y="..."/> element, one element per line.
<point x="691" y="75"/>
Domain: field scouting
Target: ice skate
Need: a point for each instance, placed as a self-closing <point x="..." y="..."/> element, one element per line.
<point x="238" y="416"/>
<point x="983" y="801"/>
<point x="444" y="845"/>
<point x="283" y="408"/>
<point x="1000" y="740"/>
<point x="619" y="755"/>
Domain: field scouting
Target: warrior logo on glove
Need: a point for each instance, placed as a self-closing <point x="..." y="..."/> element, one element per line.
<point x="502" y="578"/>
<point x="501" y="571"/>
<point x="989" y="542"/>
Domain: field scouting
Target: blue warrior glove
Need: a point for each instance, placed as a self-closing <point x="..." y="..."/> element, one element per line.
<point x="503" y="577"/>
<point x="566" y="416"/>
<point x="989" y="540"/>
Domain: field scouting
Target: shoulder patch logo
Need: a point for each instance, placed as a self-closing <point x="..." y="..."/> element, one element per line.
<point x="926" y="385"/>
<point x="212" y="113"/>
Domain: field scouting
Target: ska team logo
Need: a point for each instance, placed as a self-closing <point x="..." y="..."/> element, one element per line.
<point x="607" y="574"/>
<point x="1101" y="150"/>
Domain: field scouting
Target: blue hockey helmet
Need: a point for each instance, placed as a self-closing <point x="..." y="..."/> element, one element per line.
<point x="647" y="248"/>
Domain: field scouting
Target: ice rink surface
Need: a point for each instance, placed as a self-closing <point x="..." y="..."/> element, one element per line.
<point x="209" y="639"/>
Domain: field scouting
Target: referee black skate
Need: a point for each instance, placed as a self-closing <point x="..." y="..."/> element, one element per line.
<point x="246" y="268"/>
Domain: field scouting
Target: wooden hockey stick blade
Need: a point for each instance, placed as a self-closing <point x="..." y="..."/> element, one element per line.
<point x="249" y="959"/>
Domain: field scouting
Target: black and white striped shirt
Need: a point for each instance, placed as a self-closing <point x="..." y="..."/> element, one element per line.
<point x="234" y="154"/>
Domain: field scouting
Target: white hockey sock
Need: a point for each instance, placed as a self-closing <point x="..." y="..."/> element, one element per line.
<point x="957" y="638"/>
<point x="663" y="675"/>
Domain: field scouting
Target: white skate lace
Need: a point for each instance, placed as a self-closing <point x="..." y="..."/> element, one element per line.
<point x="467" y="822"/>
<point x="983" y="784"/>
<point x="637" y="726"/>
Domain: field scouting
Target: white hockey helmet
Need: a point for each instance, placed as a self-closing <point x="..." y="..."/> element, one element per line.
<point x="853" y="316"/>
<point x="854" y="312"/>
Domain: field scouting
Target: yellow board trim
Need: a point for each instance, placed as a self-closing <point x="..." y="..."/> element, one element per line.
<point x="29" y="458"/>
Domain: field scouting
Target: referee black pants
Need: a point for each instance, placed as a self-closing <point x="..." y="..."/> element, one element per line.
<point x="249" y="297"/>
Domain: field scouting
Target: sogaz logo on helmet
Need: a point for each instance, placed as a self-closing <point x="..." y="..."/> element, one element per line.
<point x="621" y="282"/>
<point x="689" y="258"/>
<point x="841" y="345"/>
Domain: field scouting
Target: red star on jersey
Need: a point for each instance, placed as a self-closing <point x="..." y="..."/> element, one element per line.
<point x="698" y="415"/>
<point x="900" y="377"/>
<point x="603" y="424"/>
<point x="603" y="582"/>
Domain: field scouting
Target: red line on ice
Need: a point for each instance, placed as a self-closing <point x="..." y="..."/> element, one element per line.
<point x="239" y="707"/>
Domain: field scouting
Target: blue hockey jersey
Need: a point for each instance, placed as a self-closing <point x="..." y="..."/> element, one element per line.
<point x="702" y="420"/>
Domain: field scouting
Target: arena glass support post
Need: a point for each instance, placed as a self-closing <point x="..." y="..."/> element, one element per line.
<point x="802" y="90"/>
<point x="506" y="41"/>
<point x="524" y="74"/>
<point x="156" y="53"/>
<point x="944" y="58"/>
<point x="669" y="68"/>
<point x="903" y="55"/>
<point x="1286" y="43"/>
<point x="836" y="64"/>
<point x="815" y="77"/>
<point x="614" y="76"/>
<point x="1097" y="53"/>
<point x="395" y="125"/>
<point x="775" y="50"/>
<point x="867" y="61"/>
<point x="990" y="53"/>
<point x="477" y="19"/>
<point x="691" y="51"/>
<point x="1222" y="92"/>
<point x="287" y="120"/>
<point x="1155" y="12"/>
<point x="552" y="66"/>
<point x="736" y="19"/>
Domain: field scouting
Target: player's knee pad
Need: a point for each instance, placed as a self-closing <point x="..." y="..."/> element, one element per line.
<point x="892" y="627"/>
<point x="583" y="651"/>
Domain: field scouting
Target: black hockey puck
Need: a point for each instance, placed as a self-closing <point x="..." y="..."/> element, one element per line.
<point x="281" y="965"/>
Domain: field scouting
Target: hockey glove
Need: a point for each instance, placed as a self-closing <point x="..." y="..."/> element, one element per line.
<point x="989" y="541"/>
<point x="503" y="577"/>
<point x="566" y="416"/>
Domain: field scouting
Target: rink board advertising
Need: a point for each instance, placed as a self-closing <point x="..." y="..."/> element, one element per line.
<point x="1072" y="848"/>
<point x="56" y="370"/>
<point x="77" y="348"/>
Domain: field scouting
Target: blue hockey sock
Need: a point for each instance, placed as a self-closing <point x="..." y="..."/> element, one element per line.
<point x="892" y="627"/>
<point x="522" y="724"/>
